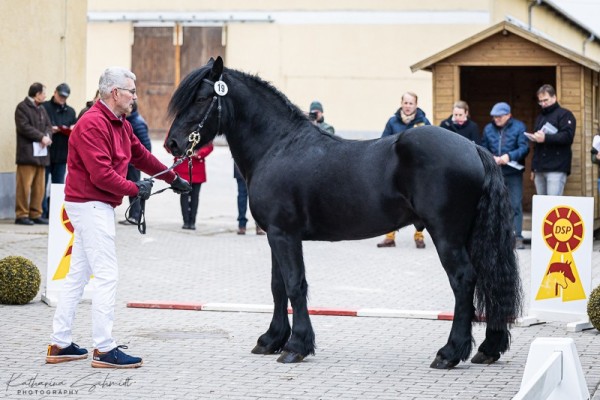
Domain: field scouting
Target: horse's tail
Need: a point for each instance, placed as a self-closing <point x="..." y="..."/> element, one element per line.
<point x="498" y="293"/>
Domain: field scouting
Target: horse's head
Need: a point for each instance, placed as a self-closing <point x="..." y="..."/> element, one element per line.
<point x="564" y="268"/>
<point x="196" y="109"/>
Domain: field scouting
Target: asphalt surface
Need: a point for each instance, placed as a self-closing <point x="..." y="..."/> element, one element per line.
<point x="206" y="355"/>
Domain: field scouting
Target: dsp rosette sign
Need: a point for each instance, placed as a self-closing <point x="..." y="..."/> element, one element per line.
<point x="561" y="249"/>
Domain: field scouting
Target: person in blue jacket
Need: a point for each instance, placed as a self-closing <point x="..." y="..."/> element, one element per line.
<point x="505" y="139"/>
<point x="409" y="115"/>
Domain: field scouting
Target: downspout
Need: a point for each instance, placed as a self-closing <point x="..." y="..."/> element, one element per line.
<point x="530" y="11"/>
<point x="586" y="41"/>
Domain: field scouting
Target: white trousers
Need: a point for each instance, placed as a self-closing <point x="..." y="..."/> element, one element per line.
<point x="93" y="253"/>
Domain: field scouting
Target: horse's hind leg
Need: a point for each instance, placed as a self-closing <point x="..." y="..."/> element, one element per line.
<point x="273" y="340"/>
<point x="496" y="342"/>
<point x="462" y="280"/>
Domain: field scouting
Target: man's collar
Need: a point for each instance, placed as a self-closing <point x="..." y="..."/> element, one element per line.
<point x="110" y="109"/>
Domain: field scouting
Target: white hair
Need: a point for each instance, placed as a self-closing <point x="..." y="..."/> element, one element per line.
<point x="113" y="77"/>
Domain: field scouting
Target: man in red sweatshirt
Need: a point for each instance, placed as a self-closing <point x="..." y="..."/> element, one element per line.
<point x="101" y="146"/>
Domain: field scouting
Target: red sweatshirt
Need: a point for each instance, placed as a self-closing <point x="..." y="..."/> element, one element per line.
<point x="100" y="147"/>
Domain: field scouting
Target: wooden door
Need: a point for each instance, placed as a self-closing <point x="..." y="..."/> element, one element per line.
<point x="153" y="62"/>
<point x="158" y="64"/>
<point x="199" y="45"/>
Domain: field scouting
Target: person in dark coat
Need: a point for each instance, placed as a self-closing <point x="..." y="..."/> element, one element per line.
<point x="34" y="135"/>
<point x="189" y="201"/>
<point x="89" y="104"/>
<point x="554" y="133"/>
<point x="140" y="129"/>
<point x="459" y="122"/>
<point x="62" y="116"/>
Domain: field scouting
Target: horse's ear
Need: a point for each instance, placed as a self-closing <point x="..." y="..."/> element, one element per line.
<point x="211" y="61"/>
<point x="217" y="68"/>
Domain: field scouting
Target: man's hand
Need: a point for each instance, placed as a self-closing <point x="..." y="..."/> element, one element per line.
<point x="145" y="189"/>
<point x="540" y="136"/>
<point x="181" y="186"/>
<point x="46" y="141"/>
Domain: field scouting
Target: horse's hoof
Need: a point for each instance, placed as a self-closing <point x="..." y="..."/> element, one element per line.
<point x="258" y="349"/>
<point x="440" y="363"/>
<point x="288" y="357"/>
<point x="481" y="358"/>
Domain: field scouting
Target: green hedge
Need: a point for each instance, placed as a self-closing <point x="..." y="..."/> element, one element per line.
<point x="19" y="280"/>
<point x="593" y="308"/>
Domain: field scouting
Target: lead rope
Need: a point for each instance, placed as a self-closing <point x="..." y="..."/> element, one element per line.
<point x="141" y="223"/>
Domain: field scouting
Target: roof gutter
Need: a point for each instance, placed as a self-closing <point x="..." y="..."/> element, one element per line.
<point x="586" y="41"/>
<point x="530" y="12"/>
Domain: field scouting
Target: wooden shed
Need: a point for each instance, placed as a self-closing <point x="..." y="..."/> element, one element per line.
<point x="507" y="62"/>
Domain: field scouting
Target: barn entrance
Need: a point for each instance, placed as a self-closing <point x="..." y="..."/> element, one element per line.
<point x="482" y="87"/>
<point x="161" y="57"/>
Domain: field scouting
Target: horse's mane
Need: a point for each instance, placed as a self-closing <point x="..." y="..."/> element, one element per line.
<point x="269" y="86"/>
<point x="184" y="96"/>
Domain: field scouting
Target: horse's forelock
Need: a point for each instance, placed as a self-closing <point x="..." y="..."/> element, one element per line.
<point x="186" y="91"/>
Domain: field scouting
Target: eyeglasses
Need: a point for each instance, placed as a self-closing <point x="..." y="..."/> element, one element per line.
<point x="132" y="91"/>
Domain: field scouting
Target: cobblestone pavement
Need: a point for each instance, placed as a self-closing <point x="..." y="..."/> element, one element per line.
<point x="206" y="355"/>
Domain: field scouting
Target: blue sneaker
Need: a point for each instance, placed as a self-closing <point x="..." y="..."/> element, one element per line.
<point x="72" y="352"/>
<point x="115" y="358"/>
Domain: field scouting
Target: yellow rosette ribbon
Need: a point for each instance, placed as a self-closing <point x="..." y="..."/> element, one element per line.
<point x="563" y="231"/>
<point x="65" y="261"/>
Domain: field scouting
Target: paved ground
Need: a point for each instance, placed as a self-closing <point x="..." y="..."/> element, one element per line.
<point x="206" y="355"/>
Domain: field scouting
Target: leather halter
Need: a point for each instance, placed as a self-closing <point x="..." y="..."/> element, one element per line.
<point x="195" y="136"/>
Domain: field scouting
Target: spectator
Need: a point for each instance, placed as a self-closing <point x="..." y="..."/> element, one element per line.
<point x="189" y="201"/>
<point x="140" y="130"/>
<point x="101" y="145"/>
<point x="409" y="115"/>
<point x="315" y="114"/>
<point x="460" y="122"/>
<point x="504" y="138"/>
<point x="34" y="135"/>
<point x="553" y="137"/>
<point x="242" y="201"/>
<point x="62" y="117"/>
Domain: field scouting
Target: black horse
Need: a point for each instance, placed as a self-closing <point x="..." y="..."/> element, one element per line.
<point x="305" y="184"/>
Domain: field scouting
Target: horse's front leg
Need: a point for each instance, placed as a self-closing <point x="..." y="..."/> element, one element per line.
<point x="287" y="250"/>
<point x="273" y="340"/>
<point x="462" y="280"/>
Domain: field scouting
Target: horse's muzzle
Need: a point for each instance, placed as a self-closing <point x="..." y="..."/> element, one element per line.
<point x="173" y="148"/>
